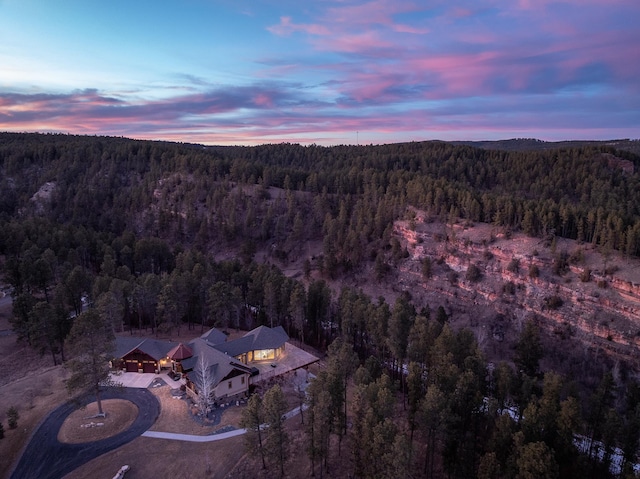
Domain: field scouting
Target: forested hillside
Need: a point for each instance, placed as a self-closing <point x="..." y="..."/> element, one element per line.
<point x="194" y="195"/>
<point x="163" y="236"/>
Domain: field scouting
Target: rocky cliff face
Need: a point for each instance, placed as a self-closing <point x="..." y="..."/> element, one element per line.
<point x="572" y="288"/>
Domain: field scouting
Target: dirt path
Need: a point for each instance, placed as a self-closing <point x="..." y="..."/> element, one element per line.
<point x="47" y="458"/>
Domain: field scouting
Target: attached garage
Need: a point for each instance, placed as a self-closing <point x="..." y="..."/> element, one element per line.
<point x="149" y="366"/>
<point x="144" y="355"/>
<point x="140" y="361"/>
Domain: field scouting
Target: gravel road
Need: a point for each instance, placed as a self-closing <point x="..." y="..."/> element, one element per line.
<point x="47" y="458"/>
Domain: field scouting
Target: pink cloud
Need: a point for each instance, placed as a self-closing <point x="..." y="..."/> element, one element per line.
<point x="369" y="13"/>
<point x="539" y="4"/>
<point x="460" y="12"/>
<point x="353" y="43"/>
<point x="401" y="28"/>
<point x="286" y="27"/>
<point x="263" y="100"/>
<point x="355" y="28"/>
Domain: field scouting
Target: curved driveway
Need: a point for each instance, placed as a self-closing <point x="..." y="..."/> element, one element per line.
<point x="47" y="458"/>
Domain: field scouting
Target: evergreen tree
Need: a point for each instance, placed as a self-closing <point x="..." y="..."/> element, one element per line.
<point x="252" y="420"/>
<point x="92" y="343"/>
<point x="529" y="350"/>
<point x="274" y="406"/>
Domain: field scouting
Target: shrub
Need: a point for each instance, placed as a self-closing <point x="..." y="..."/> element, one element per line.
<point x="514" y="265"/>
<point x="553" y="302"/>
<point x="577" y="257"/>
<point x="534" y="272"/>
<point x="473" y="273"/>
<point x="610" y="270"/>
<point x="560" y="264"/>
<point x="1" y="431"/>
<point x="13" y="416"/>
<point x="509" y="288"/>
<point x="585" y="275"/>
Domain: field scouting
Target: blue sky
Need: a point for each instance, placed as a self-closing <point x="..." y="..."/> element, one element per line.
<point x="326" y="72"/>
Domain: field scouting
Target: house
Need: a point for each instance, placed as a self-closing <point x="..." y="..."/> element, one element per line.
<point x="209" y="368"/>
<point x="142" y="355"/>
<point x="226" y="365"/>
<point x="260" y="344"/>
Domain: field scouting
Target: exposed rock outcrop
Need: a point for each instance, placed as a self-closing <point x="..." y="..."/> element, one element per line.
<point x="595" y="297"/>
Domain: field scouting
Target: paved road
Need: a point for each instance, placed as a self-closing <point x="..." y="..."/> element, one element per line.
<point x="46" y="458"/>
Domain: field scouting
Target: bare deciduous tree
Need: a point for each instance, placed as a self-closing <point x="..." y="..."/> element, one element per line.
<point x="203" y="379"/>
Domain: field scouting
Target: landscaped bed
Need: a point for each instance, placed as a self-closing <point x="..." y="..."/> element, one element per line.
<point x="83" y="425"/>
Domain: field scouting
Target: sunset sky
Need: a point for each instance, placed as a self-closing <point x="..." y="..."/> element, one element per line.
<point x="326" y="72"/>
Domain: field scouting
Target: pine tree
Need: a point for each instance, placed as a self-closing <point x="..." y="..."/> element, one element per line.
<point x="251" y="421"/>
<point x="275" y="406"/>
<point x="92" y="343"/>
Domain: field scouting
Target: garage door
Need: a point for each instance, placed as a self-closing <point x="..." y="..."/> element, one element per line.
<point x="148" y="367"/>
<point x="132" y="366"/>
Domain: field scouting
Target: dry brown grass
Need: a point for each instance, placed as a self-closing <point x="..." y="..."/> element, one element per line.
<point x="161" y="458"/>
<point x="30" y="383"/>
<point x="174" y="416"/>
<point x="120" y="414"/>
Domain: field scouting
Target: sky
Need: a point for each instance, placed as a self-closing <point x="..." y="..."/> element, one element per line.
<point x="323" y="72"/>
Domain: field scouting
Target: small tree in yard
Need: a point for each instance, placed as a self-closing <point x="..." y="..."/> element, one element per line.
<point x="203" y="379"/>
<point x="1" y="431"/>
<point x="92" y="343"/>
<point x="13" y="416"/>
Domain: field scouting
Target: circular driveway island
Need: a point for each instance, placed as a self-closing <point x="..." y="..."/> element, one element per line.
<point x="47" y="458"/>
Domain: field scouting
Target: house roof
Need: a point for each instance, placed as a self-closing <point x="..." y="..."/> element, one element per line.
<point x="155" y="348"/>
<point x="218" y="364"/>
<point x="214" y="336"/>
<point x="180" y="352"/>
<point x="268" y="338"/>
<point x="260" y="338"/>
<point x="236" y="347"/>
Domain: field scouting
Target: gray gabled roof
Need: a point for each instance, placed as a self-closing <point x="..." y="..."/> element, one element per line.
<point x="262" y="337"/>
<point x="236" y="347"/>
<point x="155" y="348"/>
<point x="218" y="364"/>
<point x="214" y="336"/>
<point x="268" y="338"/>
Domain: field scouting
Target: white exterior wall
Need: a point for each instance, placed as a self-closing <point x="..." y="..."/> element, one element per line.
<point x="237" y="387"/>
